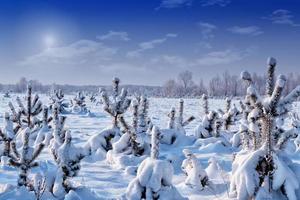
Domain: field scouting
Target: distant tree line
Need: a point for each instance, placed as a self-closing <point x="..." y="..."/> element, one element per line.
<point x="184" y="85"/>
<point x="37" y="86"/>
<point x="219" y="85"/>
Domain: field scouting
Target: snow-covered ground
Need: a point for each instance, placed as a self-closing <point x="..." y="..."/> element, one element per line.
<point x="109" y="182"/>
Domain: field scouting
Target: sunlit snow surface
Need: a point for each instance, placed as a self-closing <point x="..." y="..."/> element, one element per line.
<point x="110" y="183"/>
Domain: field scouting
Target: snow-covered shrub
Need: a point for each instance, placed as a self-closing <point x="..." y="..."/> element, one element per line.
<point x="45" y="130"/>
<point x="27" y="116"/>
<point x="25" y="159"/>
<point x="38" y="186"/>
<point x="7" y="136"/>
<point x="133" y="143"/>
<point x="154" y="177"/>
<point x="118" y="104"/>
<point x="115" y="106"/>
<point x="265" y="170"/>
<point x="93" y="98"/>
<point x="214" y="170"/>
<point x="196" y="175"/>
<point x="68" y="159"/>
<point x="211" y="122"/>
<point x="58" y="100"/>
<point x="57" y="138"/>
<point x="209" y="127"/>
<point x="231" y="114"/>
<point x="7" y="94"/>
<point x="78" y="104"/>
<point x="176" y="124"/>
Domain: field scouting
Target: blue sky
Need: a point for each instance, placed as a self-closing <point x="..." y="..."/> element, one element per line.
<point x="144" y="41"/>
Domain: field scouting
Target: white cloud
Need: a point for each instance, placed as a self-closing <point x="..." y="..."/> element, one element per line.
<point x="212" y="58"/>
<point x="222" y="57"/>
<point x="180" y="3"/>
<point x="170" y="60"/>
<point x="207" y="34"/>
<point x="115" y="35"/>
<point x="79" y="52"/>
<point x="282" y="16"/>
<point x="207" y="30"/>
<point x="221" y="3"/>
<point x="174" y="3"/>
<point x="150" y="45"/>
<point x="248" y="30"/>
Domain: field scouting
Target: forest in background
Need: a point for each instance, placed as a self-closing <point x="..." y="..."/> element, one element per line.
<point x="184" y="85"/>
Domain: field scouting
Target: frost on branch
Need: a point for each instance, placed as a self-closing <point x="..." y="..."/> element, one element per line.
<point x="154" y="177"/>
<point x="264" y="169"/>
<point x="24" y="160"/>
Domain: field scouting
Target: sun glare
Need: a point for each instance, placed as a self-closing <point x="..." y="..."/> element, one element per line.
<point x="49" y="41"/>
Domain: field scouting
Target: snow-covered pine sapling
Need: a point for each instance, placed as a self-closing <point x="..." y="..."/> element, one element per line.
<point x="58" y="132"/>
<point x="155" y="137"/>
<point x="269" y="168"/>
<point x="16" y="117"/>
<point x="93" y="98"/>
<point x="171" y="115"/>
<point x="176" y="125"/>
<point x="196" y="175"/>
<point x="177" y="122"/>
<point x="78" y="103"/>
<point x="136" y="131"/>
<point x="44" y="132"/>
<point x="143" y="119"/>
<point x="244" y="110"/>
<point x="38" y="186"/>
<point x="57" y="95"/>
<point x="205" y="103"/>
<point x="57" y="98"/>
<point x="79" y="100"/>
<point x="230" y="114"/>
<point x="270" y="76"/>
<point x="118" y="104"/>
<point x="228" y="104"/>
<point x="286" y="135"/>
<point x="154" y="177"/>
<point x="6" y="94"/>
<point x="26" y="117"/>
<point x="7" y="135"/>
<point x="132" y="132"/>
<point x="180" y="122"/>
<point x="115" y="106"/>
<point x="25" y="159"/>
<point x="68" y="159"/>
<point x="227" y="115"/>
<point x="209" y="126"/>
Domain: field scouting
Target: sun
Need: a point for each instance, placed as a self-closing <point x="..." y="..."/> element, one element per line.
<point x="49" y="41"/>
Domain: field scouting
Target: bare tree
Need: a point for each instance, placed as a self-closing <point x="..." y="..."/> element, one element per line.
<point x="186" y="79"/>
<point x="170" y="88"/>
